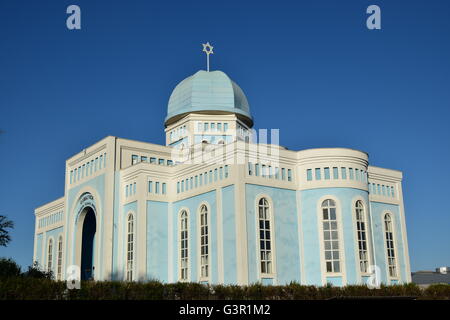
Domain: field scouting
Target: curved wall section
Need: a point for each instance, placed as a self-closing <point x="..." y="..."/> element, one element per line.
<point x="332" y="167"/>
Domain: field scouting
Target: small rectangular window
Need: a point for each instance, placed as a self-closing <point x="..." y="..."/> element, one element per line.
<point x="71" y="176"/>
<point x="357" y="176"/>
<point x="169" y="162"/>
<point x="219" y="127"/>
<point x="196" y="181"/>
<point x="309" y="174"/>
<point x="164" y="188"/>
<point x="205" y="126"/>
<point x="221" y="173"/>
<point x="161" y="161"/>
<point x="126" y="191"/>
<point x="277" y="173"/>
<point x="206" y="177"/>
<point x="225" y="127"/>
<point x="201" y="179"/>
<point x="257" y="169"/>
<point x="350" y="172"/>
<point x="100" y="162"/>
<point x="210" y="176"/>
<point x="82" y="171"/>
<point x="150" y="186"/>
<point x="152" y="160"/>
<point x="134" y="188"/>
<point x="79" y="173"/>
<point x="192" y="183"/>
<point x="157" y="187"/>
<point x="326" y="173"/>
<point x="283" y="174"/>
<point x="263" y="170"/>
<point x="383" y="189"/>
<point x="134" y="159"/>
<point x="317" y="174"/>
<point x="335" y="173"/>
<point x="87" y="169"/>
<point x="213" y="126"/>
<point x="215" y="175"/>
<point x="250" y="169"/>
<point x="144" y="159"/>
<point x="178" y="187"/>
<point x="96" y="164"/>
<point x="289" y="175"/>
<point x="182" y="185"/>
<point x="270" y="172"/>
<point x="199" y="126"/>
<point x="226" y="171"/>
<point x="378" y="189"/>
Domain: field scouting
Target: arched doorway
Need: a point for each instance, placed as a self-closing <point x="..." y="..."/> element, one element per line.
<point x="89" y="228"/>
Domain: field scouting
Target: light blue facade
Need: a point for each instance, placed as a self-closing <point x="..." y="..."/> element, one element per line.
<point x="115" y="179"/>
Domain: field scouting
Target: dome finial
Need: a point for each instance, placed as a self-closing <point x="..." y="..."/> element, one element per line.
<point x="209" y="50"/>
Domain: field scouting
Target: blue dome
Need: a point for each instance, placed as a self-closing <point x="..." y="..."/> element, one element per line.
<point x="208" y="92"/>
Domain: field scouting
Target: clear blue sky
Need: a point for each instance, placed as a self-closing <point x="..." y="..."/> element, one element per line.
<point x="310" y="68"/>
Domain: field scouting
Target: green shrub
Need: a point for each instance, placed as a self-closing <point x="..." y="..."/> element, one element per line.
<point x="9" y="268"/>
<point x="25" y="288"/>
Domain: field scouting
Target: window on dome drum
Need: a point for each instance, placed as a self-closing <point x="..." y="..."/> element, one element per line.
<point x="335" y="173"/>
<point x="130" y="247"/>
<point x="204" y="243"/>
<point x="225" y="127"/>
<point x="317" y="173"/>
<point x="330" y="236"/>
<point x="309" y="175"/>
<point x="50" y="255"/>
<point x="59" y="265"/>
<point x="184" y="254"/>
<point x="265" y="244"/>
<point x="392" y="264"/>
<point x="362" y="236"/>
<point x="326" y="173"/>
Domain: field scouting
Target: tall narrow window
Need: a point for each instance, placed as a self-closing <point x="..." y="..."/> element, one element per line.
<point x="362" y="236"/>
<point x="204" y="243"/>
<point x="390" y="245"/>
<point x="130" y="247"/>
<point x="50" y="255"/>
<point x="59" y="266"/>
<point x="184" y="254"/>
<point x="330" y="236"/>
<point x="265" y="245"/>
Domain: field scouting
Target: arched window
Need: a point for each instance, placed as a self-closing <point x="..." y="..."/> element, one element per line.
<point x="204" y="243"/>
<point x="184" y="254"/>
<point x="130" y="247"/>
<point x="59" y="266"/>
<point x="330" y="236"/>
<point x="390" y="245"/>
<point x="50" y="255"/>
<point x="362" y="236"/>
<point x="265" y="243"/>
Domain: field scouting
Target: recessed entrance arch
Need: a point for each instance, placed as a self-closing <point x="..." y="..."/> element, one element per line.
<point x="88" y="245"/>
<point x="86" y="235"/>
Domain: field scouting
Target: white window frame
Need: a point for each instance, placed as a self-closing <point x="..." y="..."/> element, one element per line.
<point x="394" y="245"/>
<point x="187" y="277"/>
<point x="204" y="262"/>
<point x="324" y="272"/>
<point x="359" y="232"/>
<point x="272" y="260"/>
<point x="50" y="254"/>
<point x="59" y="258"/>
<point x="130" y="249"/>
